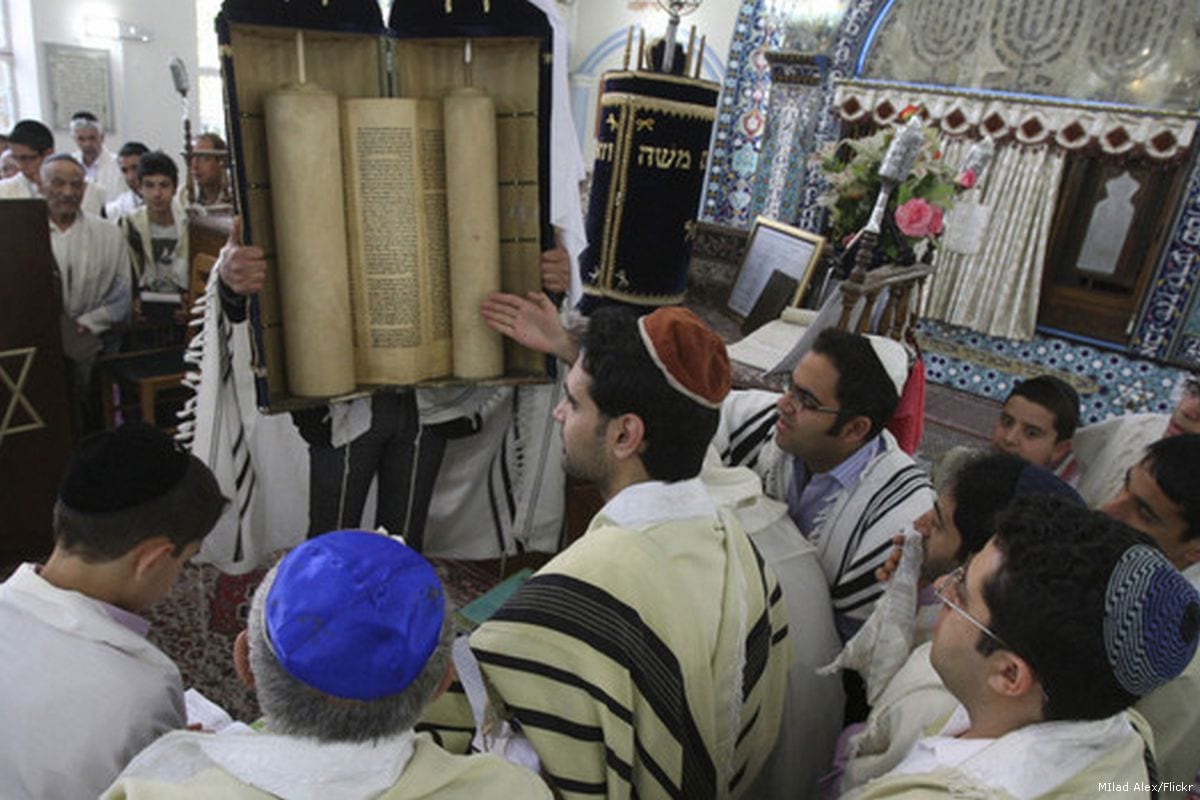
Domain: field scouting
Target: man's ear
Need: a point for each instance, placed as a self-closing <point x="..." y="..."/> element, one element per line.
<point x="1009" y="675"/>
<point x="627" y="434"/>
<point x="1060" y="451"/>
<point x="855" y="429"/>
<point x="149" y="554"/>
<point x="241" y="659"/>
<point x="448" y="678"/>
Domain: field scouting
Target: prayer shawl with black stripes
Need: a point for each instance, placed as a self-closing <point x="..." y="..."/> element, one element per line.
<point x="650" y="658"/>
<point x="853" y="533"/>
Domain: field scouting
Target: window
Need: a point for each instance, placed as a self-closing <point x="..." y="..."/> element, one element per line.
<point x="209" y="96"/>
<point x="1109" y="230"/>
<point x="8" y="90"/>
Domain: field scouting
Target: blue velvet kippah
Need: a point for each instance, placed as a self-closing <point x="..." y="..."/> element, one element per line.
<point x="1151" y="620"/>
<point x="354" y="614"/>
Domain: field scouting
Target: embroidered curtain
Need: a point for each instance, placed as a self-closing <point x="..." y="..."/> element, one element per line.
<point x="996" y="290"/>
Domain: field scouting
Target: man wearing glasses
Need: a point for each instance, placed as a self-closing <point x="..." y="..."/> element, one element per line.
<point x="822" y="448"/>
<point x="909" y="697"/>
<point x="1062" y="621"/>
<point x="1107" y="449"/>
<point x="1161" y="498"/>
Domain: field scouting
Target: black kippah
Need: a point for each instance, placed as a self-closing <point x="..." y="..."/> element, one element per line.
<point x="122" y="468"/>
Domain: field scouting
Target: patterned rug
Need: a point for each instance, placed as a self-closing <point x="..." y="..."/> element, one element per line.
<point x="197" y="623"/>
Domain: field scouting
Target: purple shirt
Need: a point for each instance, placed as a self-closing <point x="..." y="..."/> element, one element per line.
<point x="807" y="497"/>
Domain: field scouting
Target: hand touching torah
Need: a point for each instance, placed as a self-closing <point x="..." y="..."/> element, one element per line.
<point x="531" y="321"/>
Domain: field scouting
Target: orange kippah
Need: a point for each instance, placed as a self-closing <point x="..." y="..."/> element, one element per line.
<point x="690" y="356"/>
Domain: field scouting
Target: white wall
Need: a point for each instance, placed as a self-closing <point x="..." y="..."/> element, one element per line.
<point x="145" y="104"/>
<point x="598" y="34"/>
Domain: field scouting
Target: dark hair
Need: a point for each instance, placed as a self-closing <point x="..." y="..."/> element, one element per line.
<point x="863" y="388"/>
<point x="184" y="514"/>
<point x="1057" y="397"/>
<point x="984" y="487"/>
<point x="1047" y="601"/>
<point x="1174" y="463"/>
<point x="132" y="149"/>
<point x="84" y="115"/>
<point x="157" y="162"/>
<point x="217" y="142"/>
<point x="32" y="134"/>
<point x="626" y="381"/>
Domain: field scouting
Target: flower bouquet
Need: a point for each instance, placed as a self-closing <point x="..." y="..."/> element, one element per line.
<point x="917" y="207"/>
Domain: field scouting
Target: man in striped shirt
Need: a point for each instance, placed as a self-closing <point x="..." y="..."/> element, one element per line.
<point x="821" y="447"/>
<point x="650" y="658"/>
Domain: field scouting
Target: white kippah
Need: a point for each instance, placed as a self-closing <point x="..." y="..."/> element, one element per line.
<point x="893" y="357"/>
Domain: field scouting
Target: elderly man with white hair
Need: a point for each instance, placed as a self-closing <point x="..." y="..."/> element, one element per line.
<point x="99" y="163"/>
<point x="348" y="640"/>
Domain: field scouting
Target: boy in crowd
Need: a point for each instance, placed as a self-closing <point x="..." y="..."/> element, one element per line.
<point x="81" y="688"/>
<point x="1037" y="422"/>
<point x="158" y="244"/>
<point x="130" y="199"/>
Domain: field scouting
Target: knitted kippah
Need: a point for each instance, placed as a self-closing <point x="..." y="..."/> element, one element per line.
<point x="1035" y="480"/>
<point x="987" y="485"/>
<point x="690" y="356"/>
<point x="122" y="468"/>
<point x="354" y="614"/>
<point x="1151" y="620"/>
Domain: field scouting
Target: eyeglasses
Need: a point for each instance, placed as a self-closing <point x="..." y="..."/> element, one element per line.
<point x="807" y="400"/>
<point x="949" y="585"/>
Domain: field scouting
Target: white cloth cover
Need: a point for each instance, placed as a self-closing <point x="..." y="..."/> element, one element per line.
<point x="80" y="693"/>
<point x="884" y="642"/>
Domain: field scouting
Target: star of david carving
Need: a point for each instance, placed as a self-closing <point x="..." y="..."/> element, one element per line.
<point x="9" y="423"/>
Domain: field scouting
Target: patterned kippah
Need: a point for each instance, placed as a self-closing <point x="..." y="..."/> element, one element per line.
<point x="690" y="356"/>
<point x="1151" y="620"/>
<point x="354" y="614"/>
<point x="122" y="468"/>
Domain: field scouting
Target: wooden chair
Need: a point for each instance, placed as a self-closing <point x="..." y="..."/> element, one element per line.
<point x="150" y="381"/>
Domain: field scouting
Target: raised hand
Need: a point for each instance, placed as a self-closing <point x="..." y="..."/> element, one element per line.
<point x="556" y="269"/>
<point x="532" y="321"/>
<point x="243" y="268"/>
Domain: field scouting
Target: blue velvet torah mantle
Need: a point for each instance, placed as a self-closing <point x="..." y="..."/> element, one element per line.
<point x="653" y="135"/>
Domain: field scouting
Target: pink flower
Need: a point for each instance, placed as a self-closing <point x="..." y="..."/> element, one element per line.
<point x="919" y="219"/>
<point x="965" y="179"/>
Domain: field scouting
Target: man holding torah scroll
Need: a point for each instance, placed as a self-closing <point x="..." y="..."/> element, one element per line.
<point x="430" y="457"/>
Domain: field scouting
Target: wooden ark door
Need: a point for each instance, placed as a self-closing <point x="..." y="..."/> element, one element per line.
<point x="35" y="431"/>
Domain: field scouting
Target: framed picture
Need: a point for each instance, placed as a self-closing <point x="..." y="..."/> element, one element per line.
<point x="79" y="80"/>
<point x="774" y="248"/>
